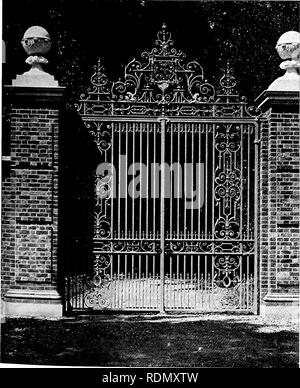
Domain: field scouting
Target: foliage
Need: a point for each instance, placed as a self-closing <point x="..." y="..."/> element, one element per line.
<point x="117" y="30"/>
<point x="246" y="33"/>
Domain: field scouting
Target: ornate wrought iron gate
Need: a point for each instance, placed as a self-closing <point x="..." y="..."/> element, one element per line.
<point x="175" y="190"/>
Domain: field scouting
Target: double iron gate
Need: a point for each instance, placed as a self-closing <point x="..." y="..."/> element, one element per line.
<point x="175" y="190"/>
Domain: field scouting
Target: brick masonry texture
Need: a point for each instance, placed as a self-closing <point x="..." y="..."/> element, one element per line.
<point x="279" y="203"/>
<point x="30" y="201"/>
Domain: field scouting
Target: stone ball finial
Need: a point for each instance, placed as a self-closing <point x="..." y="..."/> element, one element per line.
<point x="288" y="45"/>
<point x="288" y="48"/>
<point x="36" y="40"/>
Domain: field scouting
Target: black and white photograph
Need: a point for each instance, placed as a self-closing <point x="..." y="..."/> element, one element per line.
<point x="150" y="187"/>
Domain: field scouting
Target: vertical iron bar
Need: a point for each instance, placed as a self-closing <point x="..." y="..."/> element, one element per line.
<point x="129" y="291"/>
<point x="162" y="214"/>
<point x="118" y="211"/>
<point x="153" y="265"/>
<point x="170" y="282"/>
<point x="248" y="184"/>
<point x="132" y="266"/>
<point x="147" y="199"/>
<point x="150" y="283"/>
<point x="153" y="278"/>
<point x="184" y="267"/>
<point x="241" y="281"/>
<point x="178" y="212"/>
<point x="247" y="282"/>
<point x="184" y="208"/>
<point x="192" y="209"/>
<point x="126" y="182"/>
<point x="242" y="175"/>
<point x="133" y="216"/>
<point x="171" y="187"/>
<point x="255" y="256"/>
<point x="154" y="181"/>
<point x="140" y="202"/>
<point x="184" y="195"/>
<point x="199" y="177"/>
<point x="178" y="174"/>
<point x="147" y="182"/>
<point x="198" y="278"/>
<point x="133" y="161"/>
<point x="136" y="280"/>
<point x="192" y="181"/>
<point x="213" y="208"/>
<point x="126" y="193"/>
<point x="213" y="184"/>
<point x="112" y="193"/>
<point x="119" y="183"/>
<point x="191" y="273"/>
<point x="206" y="179"/>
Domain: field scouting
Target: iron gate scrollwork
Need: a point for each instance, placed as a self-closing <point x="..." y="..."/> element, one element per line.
<point x="186" y="240"/>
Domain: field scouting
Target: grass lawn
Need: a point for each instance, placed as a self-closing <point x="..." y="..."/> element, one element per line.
<point x="135" y="341"/>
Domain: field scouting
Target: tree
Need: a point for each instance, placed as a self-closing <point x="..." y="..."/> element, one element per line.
<point x="245" y="32"/>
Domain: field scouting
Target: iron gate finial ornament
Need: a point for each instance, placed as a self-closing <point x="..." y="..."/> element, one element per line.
<point x="228" y="84"/>
<point x="160" y="77"/>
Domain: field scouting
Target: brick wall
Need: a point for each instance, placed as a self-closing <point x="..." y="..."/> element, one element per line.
<point x="279" y="202"/>
<point x="30" y="201"/>
<point x="7" y="233"/>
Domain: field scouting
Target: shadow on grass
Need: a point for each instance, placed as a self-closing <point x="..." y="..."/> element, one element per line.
<point x="142" y="342"/>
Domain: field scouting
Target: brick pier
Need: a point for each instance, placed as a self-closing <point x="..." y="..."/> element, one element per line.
<point x="30" y="204"/>
<point x="279" y="205"/>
